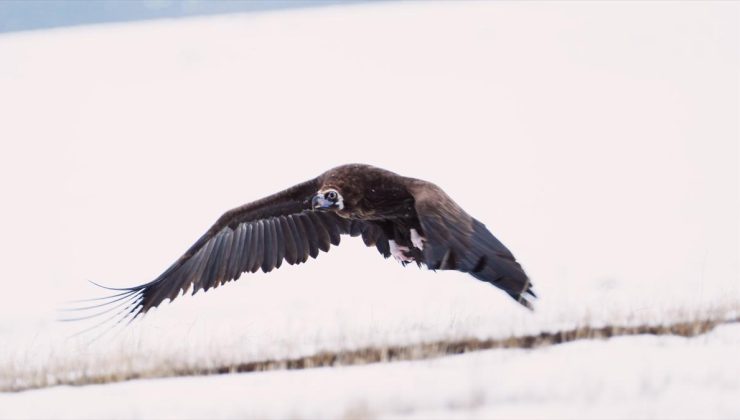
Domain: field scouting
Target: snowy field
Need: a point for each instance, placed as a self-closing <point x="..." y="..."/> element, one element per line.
<point x="635" y="377"/>
<point x="599" y="142"/>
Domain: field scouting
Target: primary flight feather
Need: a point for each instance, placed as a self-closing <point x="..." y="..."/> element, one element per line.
<point x="411" y="219"/>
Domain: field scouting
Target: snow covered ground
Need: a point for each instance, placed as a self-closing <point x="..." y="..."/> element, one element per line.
<point x="628" y="377"/>
<point x="598" y="141"/>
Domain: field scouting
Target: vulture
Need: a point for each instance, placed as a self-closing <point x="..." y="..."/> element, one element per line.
<point x="412" y="220"/>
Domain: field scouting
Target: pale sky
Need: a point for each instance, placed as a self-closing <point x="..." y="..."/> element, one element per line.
<point x="22" y="15"/>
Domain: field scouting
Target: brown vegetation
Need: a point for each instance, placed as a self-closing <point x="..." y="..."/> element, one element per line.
<point x="391" y="353"/>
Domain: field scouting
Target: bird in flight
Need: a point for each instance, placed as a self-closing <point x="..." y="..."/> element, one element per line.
<point x="410" y="219"/>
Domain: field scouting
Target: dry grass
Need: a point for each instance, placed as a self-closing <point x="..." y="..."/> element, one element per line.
<point x="375" y="354"/>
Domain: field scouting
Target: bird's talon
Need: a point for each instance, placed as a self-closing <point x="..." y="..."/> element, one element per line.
<point x="399" y="252"/>
<point x="417" y="239"/>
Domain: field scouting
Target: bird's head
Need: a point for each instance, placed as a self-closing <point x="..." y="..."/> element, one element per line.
<point x="327" y="199"/>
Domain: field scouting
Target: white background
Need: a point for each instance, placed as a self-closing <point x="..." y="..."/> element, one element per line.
<point x="598" y="141"/>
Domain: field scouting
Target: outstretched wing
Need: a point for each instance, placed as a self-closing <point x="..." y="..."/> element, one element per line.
<point x="372" y="235"/>
<point x="457" y="241"/>
<point x="258" y="235"/>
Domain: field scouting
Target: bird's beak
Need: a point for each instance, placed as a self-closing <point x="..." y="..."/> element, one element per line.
<point x="318" y="202"/>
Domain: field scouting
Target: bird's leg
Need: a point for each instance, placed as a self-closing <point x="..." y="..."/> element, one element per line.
<point x="417" y="239"/>
<point x="399" y="252"/>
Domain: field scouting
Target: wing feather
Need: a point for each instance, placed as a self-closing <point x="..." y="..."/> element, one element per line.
<point x="301" y="239"/>
<point x="252" y="248"/>
<point x="372" y="234"/>
<point x="322" y="236"/>
<point x="246" y="249"/>
<point x="356" y="228"/>
<point x="270" y="245"/>
<point x="234" y="270"/>
<point x="200" y="263"/>
<point x="457" y="241"/>
<point x="216" y="262"/>
<point x="311" y="235"/>
<point x="332" y="229"/>
<point x="279" y="242"/>
<point x="259" y="245"/>
<point x="256" y="236"/>
<point x="224" y="261"/>
<point x="291" y="253"/>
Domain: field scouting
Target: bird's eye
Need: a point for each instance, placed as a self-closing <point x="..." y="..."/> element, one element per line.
<point x="331" y="195"/>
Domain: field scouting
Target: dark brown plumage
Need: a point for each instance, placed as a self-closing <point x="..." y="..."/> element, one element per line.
<point x="413" y="220"/>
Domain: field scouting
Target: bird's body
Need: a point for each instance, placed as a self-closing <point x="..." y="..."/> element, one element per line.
<point x="411" y="219"/>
